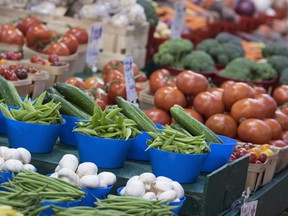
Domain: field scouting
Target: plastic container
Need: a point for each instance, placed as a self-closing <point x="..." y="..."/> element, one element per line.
<point x="137" y="150"/>
<point x="49" y="211"/>
<point x="183" y="168"/>
<point x="36" y="138"/>
<point x="220" y="154"/>
<point x="3" y="129"/>
<point x="5" y="176"/>
<point x="105" y="152"/>
<point x="66" y="135"/>
<point x="93" y="193"/>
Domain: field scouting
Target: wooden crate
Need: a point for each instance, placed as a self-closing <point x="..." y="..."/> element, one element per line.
<point x="146" y="99"/>
<point x="38" y="83"/>
<point x="282" y="162"/>
<point x="23" y="87"/>
<point x="10" y="47"/>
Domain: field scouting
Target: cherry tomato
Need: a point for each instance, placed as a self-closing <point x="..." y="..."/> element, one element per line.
<point x="24" y="24"/>
<point x="12" y="35"/>
<point x="80" y="34"/>
<point x="158" y="116"/>
<point x="193" y="113"/>
<point x="247" y="108"/>
<point x="57" y="48"/>
<point x="270" y="104"/>
<point x="9" y="75"/>
<point x="275" y="128"/>
<point x="222" y="124"/>
<point x="37" y="59"/>
<point x="76" y="81"/>
<point x="255" y="131"/>
<point x="191" y="83"/>
<point x="158" y="79"/>
<point x="116" y="89"/>
<point x="207" y="104"/>
<point x="38" y="36"/>
<point x="71" y="42"/>
<point x="101" y="103"/>
<point x="93" y="82"/>
<point x="282" y="118"/>
<point x="233" y="93"/>
<point x="113" y="75"/>
<point x="280" y="94"/>
<point x="167" y="96"/>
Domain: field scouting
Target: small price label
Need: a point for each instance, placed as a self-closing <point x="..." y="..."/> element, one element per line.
<point x="178" y="21"/>
<point x="129" y="79"/>
<point x="93" y="44"/>
<point x="249" y="208"/>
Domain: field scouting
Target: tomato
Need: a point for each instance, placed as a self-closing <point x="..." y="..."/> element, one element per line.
<point x="191" y="83"/>
<point x="193" y="113"/>
<point x="275" y="128"/>
<point x="76" y="81"/>
<point x="282" y="118"/>
<point x="217" y="92"/>
<point x="222" y="124"/>
<point x="238" y="91"/>
<point x="158" y="79"/>
<point x="71" y="42"/>
<point x="285" y="136"/>
<point x="113" y="64"/>
<point x="158" y="116"/>
<point x="101" y="104"/>
<point x="259" y="90"/>
<point x="247" y="108"/>
<point x="207" y="104"/>
<point x="278" y="143"/>
<point x="12" y="35"/>
<point x="135" y="69"/>
<point x="80" y="34"/>
<point x="116" y="89"/>
<point x="38" y="36"/>
<point x="270" y="104"/>
<point x="57" y="48"/>
<point x="54" y="34"/>
<point x="285" y="110"/>
<point x="113" y="75"/>
<point x="24" y="24"/>
<point x="280" y="94"/>
<point x="167" y="96"/>
<point x="93" y="82"/>
<point x="255" y="131"/>
<point x="102" y="95"/>
<point x="141" y="77"/>
<point x="227" y="83"/>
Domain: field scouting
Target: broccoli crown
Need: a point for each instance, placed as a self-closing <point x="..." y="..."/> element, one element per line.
<point x="225" y="37"/>
<point x="284" y="77"/>
<point x="198" y="61"/>
<point x="278" y="62"/>
<point x="275" y="49"/>
<point x="150" y="12"/>
<point x="262" y="71"/>
<point x="208" y="45"/>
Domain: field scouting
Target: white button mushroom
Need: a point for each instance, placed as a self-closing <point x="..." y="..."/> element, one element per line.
<point x="25" y="155"/>
<point x="163" y="178"/>
<point x="86" y="168"/>
<point x="148" y="179"/>
<point x="57" y="168"/>
<point x="135" y="188"/>
<point x="12" y="165"/>
<point x="103" y="184"/>
<point x="1" y="161"/>
<point x="150" y="196"/>
<point x="133" y="178"/>
<point x="2" y="150"/>
<point x="179" y="189"/>
<point x="68" y="175"/>
<point x="108" y="177"/>
<point x="69" y="161"/>
<point x="29" y="167"/>
<point x="54" y="175"/>
<point x="90" y="181"/>
<point x="168" y="195"/>
<point x="122" y="192"/>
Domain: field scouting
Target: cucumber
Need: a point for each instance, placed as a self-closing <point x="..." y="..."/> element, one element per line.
<point x="76" y="96"/>
<point x="133" y="112"/>
<point x="9" y="93"/>
<point x="67" y="108"/>
<point x="52" y="90"/>
<point x="193" y="125"/>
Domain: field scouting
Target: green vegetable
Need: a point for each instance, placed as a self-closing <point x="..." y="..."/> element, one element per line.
<point x="275" y="49"/>
<point x="198" y="61"/>
<point x="9" y="93"/>
<point x="284" y="77"/>
<point x="278" y="62"/>
<point x="150" y="12"/>
<point x="225" y="37"/>
<point x="86" y="211"/>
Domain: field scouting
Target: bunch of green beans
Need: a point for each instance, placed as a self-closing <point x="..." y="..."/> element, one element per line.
<point x="86" y="211"/>
<point x="135" y="206"/>
<point x="35" y="111"/>
<point x="178" y="141"/>
<point x="110" y="123"/>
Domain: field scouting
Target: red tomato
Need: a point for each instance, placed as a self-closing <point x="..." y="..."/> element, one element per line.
<point x="113" y="64"/>
<point x="217" y="92"/>
<point x="167" y="96"/>
<point x="278" y="143"/>
<point x="135" y="68"/>
<point x="101" y="103"/>
<point x="222" y="124"/>
<point x="191" y="83"/>
<point x="233" y="93"/>
<point x="38" y="36"/>
<point x="102" y="95"/>
<point x="80" y="34"/>
<point x="247" y="108"/>
<point x="282" y="118"/>
<point x="158" y="79"/>
<point x="116" y="89"/>
<point x="270" y="105"/>
<point x="93" y="82"/>
<point x="12" y="35"/>
<point x="259" y="90"/>
<point x="71" y="42"/>
<point x="280" y="94"/>
<point x="207" y="104"/>
<point x="24" y="24"/>
<point x="141" y="78"/>
<point x="57" y="48"/>
<point x="76" y="81"/>
<point x="255" y="131"/>
<point x="113" y="75"/>
<point x="158" y="116"/>
<point x="193" y="113"/>
<point x="227" y="83"/>
<point x="275" y="128"/>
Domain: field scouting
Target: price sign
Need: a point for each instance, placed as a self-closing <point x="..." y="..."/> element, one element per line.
<point x="93" y="44"/>
<point x="178" y="21"/>
<point x="249" y="208"/>
<point x="129" y="79"/>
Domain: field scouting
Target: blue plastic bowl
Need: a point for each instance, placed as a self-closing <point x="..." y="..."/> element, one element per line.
<point x="66" y="135"/>
<point x="49" y="211"/>
<point x="36" y="138"/>
<point x="105" y="152"/>
<point x="183" y="168"/>
<point x="93" y="193"/>
<point x="6" y="176"/>
<point x="220" y="154"/>
<point x="137" y="150"/>
<point x="3" y="129"/>
<point x="175" y="211"/>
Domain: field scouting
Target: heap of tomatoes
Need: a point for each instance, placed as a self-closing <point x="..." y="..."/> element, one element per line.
<point x="17" y="72"/>
<point x="235" y="109"/>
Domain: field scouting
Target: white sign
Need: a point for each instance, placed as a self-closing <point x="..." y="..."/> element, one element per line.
<point x="179" y="19"/>
<point x="249" y="208"/>
<point x="129" y="79"/>
<point x="94" y="44"/>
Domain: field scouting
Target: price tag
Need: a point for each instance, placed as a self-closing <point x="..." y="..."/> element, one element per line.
<point x="129" y="79"/>
<point x="249" y="208"/>
<point x="178" y="21"/>
<point x="93" y="45"/>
